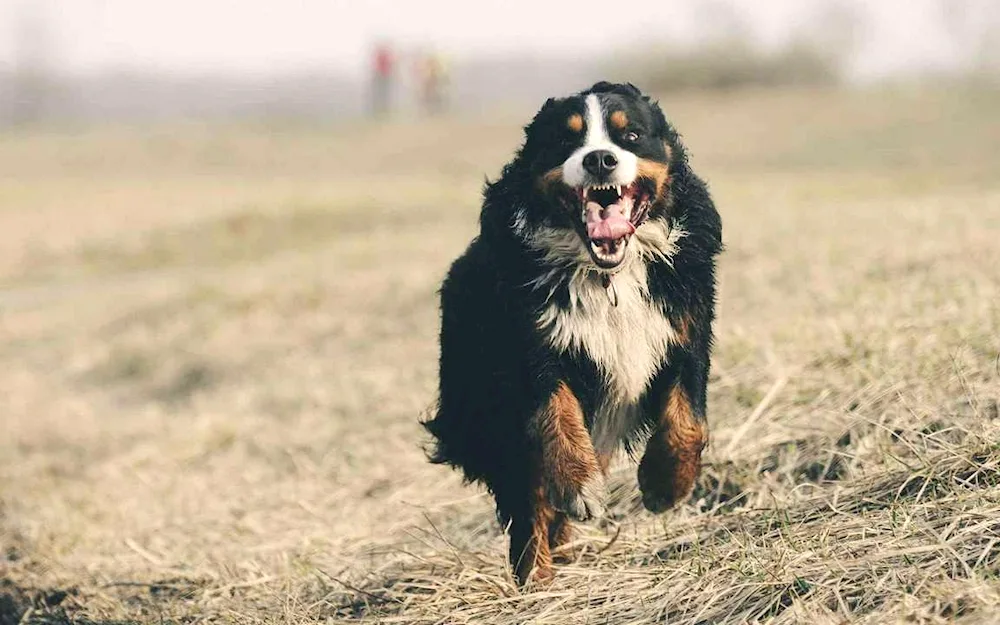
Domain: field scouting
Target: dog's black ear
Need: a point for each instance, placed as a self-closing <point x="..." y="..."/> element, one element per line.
<point x="659" y="118"/>
<point x="546" y="109"/>
<point x="542" y="113"/>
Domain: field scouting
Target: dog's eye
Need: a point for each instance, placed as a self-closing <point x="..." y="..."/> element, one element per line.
<point x="632" y="136"/>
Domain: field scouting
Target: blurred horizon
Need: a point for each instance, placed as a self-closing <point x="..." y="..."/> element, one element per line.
<point x="101" y="60"/>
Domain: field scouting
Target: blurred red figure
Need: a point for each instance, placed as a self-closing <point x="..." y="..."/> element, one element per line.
<point x="383" y="66"/>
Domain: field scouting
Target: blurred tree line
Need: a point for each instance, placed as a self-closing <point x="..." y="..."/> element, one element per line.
<point x="818" y="51"/>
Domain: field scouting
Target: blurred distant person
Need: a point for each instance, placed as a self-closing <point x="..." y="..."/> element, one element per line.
<point x="383" y="67"/>
<point x="432" y="74"/>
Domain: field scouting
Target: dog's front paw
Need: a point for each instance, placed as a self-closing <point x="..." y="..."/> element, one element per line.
<point x="666" y="479"/>
<point x="581" y="504"/>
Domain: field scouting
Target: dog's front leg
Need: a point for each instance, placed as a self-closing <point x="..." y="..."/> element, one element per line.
<point x="672" y="459"/>
<point x="568" y="480"/>
<point x="571" y="472"/>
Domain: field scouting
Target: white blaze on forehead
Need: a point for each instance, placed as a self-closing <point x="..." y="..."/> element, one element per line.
<point x="597" y="139"/>
<point x="597" y="134"/>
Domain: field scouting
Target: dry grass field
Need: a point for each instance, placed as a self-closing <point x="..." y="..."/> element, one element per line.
<point x="216" y="343"/>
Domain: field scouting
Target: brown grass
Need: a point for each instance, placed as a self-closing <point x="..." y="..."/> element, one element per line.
<point x="215" y="343"/>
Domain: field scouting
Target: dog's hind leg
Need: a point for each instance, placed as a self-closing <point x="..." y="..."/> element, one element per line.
<point x="560" y="534"/>
<point x="530" y="555"/>
<point x="572" y="474"/>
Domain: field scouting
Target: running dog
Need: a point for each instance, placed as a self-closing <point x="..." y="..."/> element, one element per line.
<point x="579" y="321"/>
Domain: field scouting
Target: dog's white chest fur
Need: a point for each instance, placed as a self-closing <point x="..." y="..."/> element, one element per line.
<point x="627" y="342"/>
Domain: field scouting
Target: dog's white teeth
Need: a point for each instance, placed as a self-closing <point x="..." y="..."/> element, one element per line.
<point x="602" y="187"/>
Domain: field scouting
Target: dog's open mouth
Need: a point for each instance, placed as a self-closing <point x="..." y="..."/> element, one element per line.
<point x="610" y="215"/>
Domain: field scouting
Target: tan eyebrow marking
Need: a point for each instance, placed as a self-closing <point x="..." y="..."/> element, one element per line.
<point x="619" y="119"/>
<point x="575" y="122"/>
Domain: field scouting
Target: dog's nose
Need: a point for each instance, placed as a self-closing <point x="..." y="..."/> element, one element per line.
<point x="600" y="162"/>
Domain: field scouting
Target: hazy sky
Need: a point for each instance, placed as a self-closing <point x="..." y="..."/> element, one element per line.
<point x="268" y="36"/>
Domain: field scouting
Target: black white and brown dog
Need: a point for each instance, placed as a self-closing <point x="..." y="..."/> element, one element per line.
<point x="579" y="321"/>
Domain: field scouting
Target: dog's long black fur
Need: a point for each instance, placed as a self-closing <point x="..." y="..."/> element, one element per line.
<point x="497" y="369"/>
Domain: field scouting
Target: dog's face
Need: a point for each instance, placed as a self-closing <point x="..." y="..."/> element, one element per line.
<point x="600" y="165"/>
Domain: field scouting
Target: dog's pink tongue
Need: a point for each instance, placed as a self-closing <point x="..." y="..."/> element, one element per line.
<point x="607" y="222"/>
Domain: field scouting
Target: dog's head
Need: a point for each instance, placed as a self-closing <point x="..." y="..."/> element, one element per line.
<point x="599" y="164"/>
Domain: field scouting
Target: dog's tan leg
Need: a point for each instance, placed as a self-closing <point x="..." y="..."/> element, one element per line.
<point x="673" y="456"/>
<point x="569" y="483"/>
<point x="561" y="531"/>
<point x="571" y="471"/>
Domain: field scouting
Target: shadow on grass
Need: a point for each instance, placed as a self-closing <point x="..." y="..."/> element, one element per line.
<point x="25" y="605"/>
